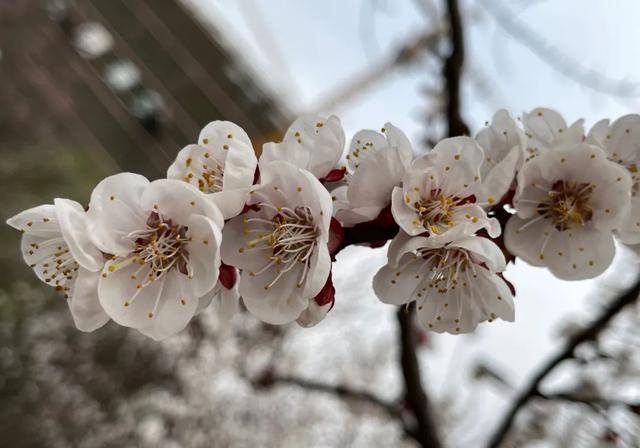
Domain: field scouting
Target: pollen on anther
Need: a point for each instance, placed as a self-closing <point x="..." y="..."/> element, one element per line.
<point x="205" y="141"/>
<point x="299" y="189"/>
<point x="457" y="157"/>
<point x="241" y="250"/>
<point x="491" y="200"/>
<point x="591" y="262"/>
<point x="112" y="197"/>
<point x="150" y="315"/>
<point x="188" y="161"/>
<point x="182" y="301"/>
<point x="192" y="203"/>
<point x="206" y="155"/>
<point x="229" y="135"/>
<point x="111" y="268"/>
<point x="206" y="241"/>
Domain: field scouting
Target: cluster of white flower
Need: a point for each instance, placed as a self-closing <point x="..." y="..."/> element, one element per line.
<point x="225" y="225"/>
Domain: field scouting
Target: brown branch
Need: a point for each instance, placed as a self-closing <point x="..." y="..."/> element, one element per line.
<point x="591" y="401"/>
<point x="342" y="391"/>
<point x="452" y="72"/>
<point x="588" y="334"/>
<point x="415" y="396"/>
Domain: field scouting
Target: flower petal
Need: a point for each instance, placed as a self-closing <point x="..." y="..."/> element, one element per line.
<point x="280" y="304"/>
<point x="177" y="201"/>
<point x="204" y="254"/>
<point x="396" y="285"/>
<point x="84" y="304"/>
<point x="319" y="268"/>
<point x="114" y="212"/>
<point x="73" y="225"/>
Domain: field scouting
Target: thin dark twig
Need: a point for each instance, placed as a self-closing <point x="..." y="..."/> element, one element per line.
<point x="415" y="396"/>
<point x="452" y="71"/>
<point x="591" y="401"/>
<point x="586" y="335"/>
<point x="342" y="391"/>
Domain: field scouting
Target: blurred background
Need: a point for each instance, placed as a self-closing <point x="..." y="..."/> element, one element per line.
<point x="89" y="88"/>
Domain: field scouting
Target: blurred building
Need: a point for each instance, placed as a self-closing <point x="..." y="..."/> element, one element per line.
<point x="130" y="81"/>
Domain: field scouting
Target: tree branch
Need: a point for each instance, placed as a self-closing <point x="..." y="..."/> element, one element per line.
<point x="588" y="334"/>
<point x="341" y="391"/>
<point x="591" y="401"/>
<point x="416" y="398"/>
<point x="452" y="72"/>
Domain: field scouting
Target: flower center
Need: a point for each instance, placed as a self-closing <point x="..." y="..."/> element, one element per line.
<point x="290" y="238"/>
<point x="158" y="248"/>
<point x="436" y="212"/>
<point x="567" y="204"/>
<point x="445" y="267"/>
<point x="209" y="176"/>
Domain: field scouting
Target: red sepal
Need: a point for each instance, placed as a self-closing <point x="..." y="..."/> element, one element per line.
<point x="336" y="235"/>
<point x="334" y="175"/>
<point x="327" y="294"/>
<point x="227" y="276"/>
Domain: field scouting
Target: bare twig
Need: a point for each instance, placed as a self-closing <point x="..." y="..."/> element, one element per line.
<point x="591" y="401"/>
<point x="586" y="335"/>
<point x="452" y="72"/>
<point x="555" y="58"/>
<point x="341" y="391"/>
<point x="415" y="396"/>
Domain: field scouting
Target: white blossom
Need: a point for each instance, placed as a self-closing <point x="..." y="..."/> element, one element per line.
<point x="439" y="191"/>
<point x="164" y="241"/>
<point x="313" y="143"/>
<point x="621" y="141"/>
<point x="454" y="281"/>
<point x="56" y="245"/>
<point x="280" y="245"/>
<point x="546" y="130"/>
<point x="222" y="165"/>
<point x="568" y="202"/>
<point x="503" y="143"/>
<point x="377" y="162"/>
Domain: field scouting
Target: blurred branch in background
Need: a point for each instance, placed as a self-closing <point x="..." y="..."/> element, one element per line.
<point x="555" y="57"/>
<point x="588" y="334"/>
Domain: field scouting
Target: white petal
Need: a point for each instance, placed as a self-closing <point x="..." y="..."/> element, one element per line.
<point x="235" y="250"/>
<point x="598" y="134"/>
<point x="284" y="185"/>
<point x="405" y="216"/>
<point x="483" y="297"/>
<point x="240" y="162"/>
<point x="545" y="125"/>
<point x="204" y="254"/>
<point x="230" y="202"/>
<point x="227" y="302"/>
<point x="624" y="139"/>
<point x="174" y="311"/>
<point x="347" y="215"/>
<point x="38" y="221"/>
<point x="84" y="305"/>
<point x="398" y="139"/>
<point x="375" y="178"/>
<point x="319" y="268"/>
<point x="363" y="144"/>
<point x="499" y="178"/>
<point x="570" y="255"/>
<point x="114" y="212"/>
<point x="311" y="142"/>
<point x="485" y="250"/>
<point x="73" y="225"/>
<point x="177" y="200"/>
<point x="280" y="304"/>
<point x="313" y="314"/>
<point x="457" y="161"/>
<point x="629" y="231"/>
<point x="396" y="285"/>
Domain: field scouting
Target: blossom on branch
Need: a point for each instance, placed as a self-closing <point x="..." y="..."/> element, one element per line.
<point x="546" y="130"/>
<point x="454" y="281"/>
<point x="56" y="245"/>
<point x="439" y="192"/>
<point x="312" y="142"/>
<point x="568" y="202"/>
<point x="222" y="165"/>
<point x="281" y="243"/>
<point x="164" y="240"/>
<point x="377" y="163"/>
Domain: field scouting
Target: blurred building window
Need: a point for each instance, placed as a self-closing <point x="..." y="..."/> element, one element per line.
<point x="122" y="75"/>
<point x="92" y="40"/>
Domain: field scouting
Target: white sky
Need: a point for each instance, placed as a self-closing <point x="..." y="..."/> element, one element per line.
<point x="318" y="45"/>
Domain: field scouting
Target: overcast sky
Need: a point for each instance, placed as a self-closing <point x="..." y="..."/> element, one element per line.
<point x="305" y="49"/>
